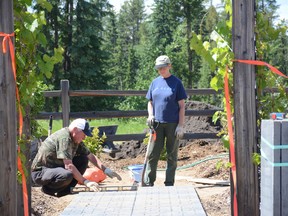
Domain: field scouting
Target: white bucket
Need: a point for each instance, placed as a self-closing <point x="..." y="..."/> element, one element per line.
<point x="136" y="172"/>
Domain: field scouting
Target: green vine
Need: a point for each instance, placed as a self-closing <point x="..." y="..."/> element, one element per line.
<point x="217" y="52"/>
<point x="33" y="66"/>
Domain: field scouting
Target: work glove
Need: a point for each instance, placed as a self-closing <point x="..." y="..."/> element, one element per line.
<point x="179" y="132"/>
<point x="150" y="121"/>
<point x="91" y="185"/>
<point x="112" y="174"/>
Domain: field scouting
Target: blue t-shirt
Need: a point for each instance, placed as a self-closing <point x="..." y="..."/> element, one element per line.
<point x="165" y="94"/>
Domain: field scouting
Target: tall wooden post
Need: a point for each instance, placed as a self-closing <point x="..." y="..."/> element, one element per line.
<point x="8" y="122"/>
<point x="245" y="107"/>
<point x="65" y="100"/>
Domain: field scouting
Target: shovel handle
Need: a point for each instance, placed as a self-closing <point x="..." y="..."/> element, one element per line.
<point x="50" y="125"/>
<point x="152" y="136"/>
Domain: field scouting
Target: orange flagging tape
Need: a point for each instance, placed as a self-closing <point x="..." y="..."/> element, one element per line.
<point x="231" y="141"/>
<point x="7" y="37"/>
<point x="229" y="121"/>
<point x="12" y="54"/>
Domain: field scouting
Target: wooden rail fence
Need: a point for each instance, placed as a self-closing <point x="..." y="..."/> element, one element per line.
<point x="65" y="93"/>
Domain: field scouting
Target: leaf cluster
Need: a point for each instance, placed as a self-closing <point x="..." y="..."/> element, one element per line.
<point x="94" y="144"/>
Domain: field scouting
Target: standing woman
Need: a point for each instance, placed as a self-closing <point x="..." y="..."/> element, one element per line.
<point x="166" y="106"/>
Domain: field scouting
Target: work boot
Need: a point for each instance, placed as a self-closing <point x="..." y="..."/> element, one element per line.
<point x="63" y="193"/>
<point x="148" y="185"/>
<point x="47" y="191"/>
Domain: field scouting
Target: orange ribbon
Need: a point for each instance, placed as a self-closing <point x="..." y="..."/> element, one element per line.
<point x="12" y="54"/>
<point x="229" y="121"/>
<point x="7" y="38"/>
<point x="231" y="141"/>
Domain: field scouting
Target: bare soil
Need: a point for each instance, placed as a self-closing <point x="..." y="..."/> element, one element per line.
<point x="198" y="162"/>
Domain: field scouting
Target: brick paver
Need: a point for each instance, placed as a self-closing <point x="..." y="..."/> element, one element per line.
<point x="152" y="201"/>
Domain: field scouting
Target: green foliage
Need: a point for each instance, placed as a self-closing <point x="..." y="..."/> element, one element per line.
<point x="271" y="43"/>
<point x="37" y="105"/>
<point x="219" y="165"/>
<point x="94" y="144"/>
<point x="256" y="158"/>
<point x="23" y="143"/>
<point x="217" y="53"/>
<point x="202" y="49"/>
<point x="32" y="67"/>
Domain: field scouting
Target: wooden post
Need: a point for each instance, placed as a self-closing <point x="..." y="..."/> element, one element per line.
<point x="65" y="102"/>
<point x="8" y="122"/>
<point x="245" y="108"/>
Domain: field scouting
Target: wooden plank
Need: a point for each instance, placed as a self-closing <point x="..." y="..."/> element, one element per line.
<point x="127" y="137"/>
<point x="191" y="92"/>
<point x="8" y="118"/>
<point x="201" y="136"/>
<point x="205" y="181"/>
<point x="209" y="181"/>
<point x="89" y="93"/>
<point x="245" y="108"/>
<point x="108" y="93"/>
<point x="55" y="93"/>
<point x="65" y="101"/>
<point x="274" y="90"/>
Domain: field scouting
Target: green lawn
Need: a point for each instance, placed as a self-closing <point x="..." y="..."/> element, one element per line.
<point x="125" y="126"/>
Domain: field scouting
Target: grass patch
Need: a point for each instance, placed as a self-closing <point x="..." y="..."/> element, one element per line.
<point x="125" y="126"/>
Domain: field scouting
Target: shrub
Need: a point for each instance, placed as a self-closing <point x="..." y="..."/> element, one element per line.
<point x="94" y="144"/>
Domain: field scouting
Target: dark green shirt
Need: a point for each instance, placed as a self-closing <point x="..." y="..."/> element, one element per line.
<point x="55" y="148"/>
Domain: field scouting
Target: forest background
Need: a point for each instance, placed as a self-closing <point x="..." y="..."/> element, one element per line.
<point x="95" y="47"/>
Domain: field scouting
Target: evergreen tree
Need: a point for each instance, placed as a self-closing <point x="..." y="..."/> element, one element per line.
<point x="167" y="16"/>
<point x="77" y="26"/>
<point x="279" y="52"/>
<point x="164" y="25"/>
<point x="126" y="65"/>
<point x="87" y="56"/>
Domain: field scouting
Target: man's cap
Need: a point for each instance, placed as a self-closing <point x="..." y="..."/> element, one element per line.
<point x="162" y="61"/>
<point x="83" y="125"/>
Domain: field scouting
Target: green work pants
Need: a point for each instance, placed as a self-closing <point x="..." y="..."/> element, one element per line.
<point x="163" y="131"/>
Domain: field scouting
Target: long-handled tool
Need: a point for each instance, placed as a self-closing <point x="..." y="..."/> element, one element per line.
<point x="152" y="136"/>
<point x="50" y="125"/>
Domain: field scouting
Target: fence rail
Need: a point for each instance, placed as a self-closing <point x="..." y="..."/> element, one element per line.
<point x="65" y="93"/>
<point x="117" y="114"/>
<point x="89" y="93"/>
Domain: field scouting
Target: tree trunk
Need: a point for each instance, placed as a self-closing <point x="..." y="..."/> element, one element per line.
<point x="188" y="12"/>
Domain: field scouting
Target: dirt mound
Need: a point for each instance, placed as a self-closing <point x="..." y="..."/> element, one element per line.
<point x="201" y="124"/>
<point x="130" y="149"/>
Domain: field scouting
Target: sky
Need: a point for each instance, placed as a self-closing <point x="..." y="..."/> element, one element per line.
<point x="282" y="11"/>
